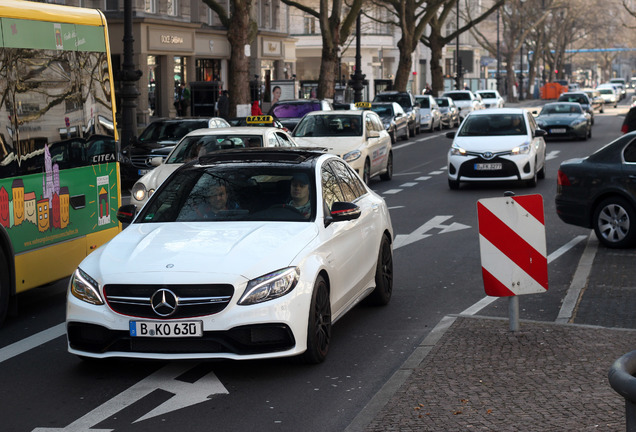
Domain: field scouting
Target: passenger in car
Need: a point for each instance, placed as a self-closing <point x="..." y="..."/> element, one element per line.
<point x="299" y="192"/>
<point x="217" y="202"/>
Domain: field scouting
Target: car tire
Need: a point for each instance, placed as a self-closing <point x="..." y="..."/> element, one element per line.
<point x="318" y="324"/>
<point x="388" y="174"/>
<point x="406" y="134"/>
<point x="366" y="172"/>
<point x="589" y="132"/>
<point x="4" y="287"/>
<point x="381" y="295"/>
<point x="534" y="180"/>
<point x="453" y="184"/>
<point x="393" y="136"/>
<point x="602" y="110"/>
<point x="615" y="223"/>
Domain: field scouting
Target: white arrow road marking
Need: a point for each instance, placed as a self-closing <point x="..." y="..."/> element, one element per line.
<point x="420" y="233"/>
<point x="185" y="394"/>
<point x="552" y="155"/>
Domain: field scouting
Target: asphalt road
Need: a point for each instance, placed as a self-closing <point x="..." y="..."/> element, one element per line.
<point x="437" y="273"/>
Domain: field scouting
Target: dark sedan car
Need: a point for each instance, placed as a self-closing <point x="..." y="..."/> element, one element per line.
<point x="599" y="192"/>
<point x="394" y="118"/>
<point x="565" y="120"/>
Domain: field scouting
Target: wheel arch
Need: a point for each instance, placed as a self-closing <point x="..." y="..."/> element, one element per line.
<point x="605" y="195"/>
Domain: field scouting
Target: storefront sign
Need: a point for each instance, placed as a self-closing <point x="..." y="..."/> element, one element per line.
<point x="271" y="47"/>
<point x="170" y="40"/>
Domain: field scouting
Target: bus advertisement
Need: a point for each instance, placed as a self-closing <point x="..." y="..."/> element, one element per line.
<point x="59" y="175"/>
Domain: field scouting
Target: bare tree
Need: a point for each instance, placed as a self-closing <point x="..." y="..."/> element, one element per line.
<point x="241" y="30"/>
<point x="435" y="40"/>
<point x="334" y="31"/>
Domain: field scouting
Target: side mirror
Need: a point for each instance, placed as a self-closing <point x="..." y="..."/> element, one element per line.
<point x="540" y="132"/>
<point x="156" y="161"/>
<point x="344" y="211"/>
<point x="126" y="213"/>
<point x="373" y="134"/>
<point x="450" y="135"/>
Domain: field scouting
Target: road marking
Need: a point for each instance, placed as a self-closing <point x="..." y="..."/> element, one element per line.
<point x="435" y="173"/>
<point x="31" y="342"/>
<point x="392" y="191"/>
<point x="185" y="394"/>
<point x="472" y="310"/>
<point x="420" y="140"/>
<point x="409" y="184"/>
<point x="579" y="280"/>
<point x="552" y="155"/>
<point x="423" y="178"/>
<point x="421" y="232"/>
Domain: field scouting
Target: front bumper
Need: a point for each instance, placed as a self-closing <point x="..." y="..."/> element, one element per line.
<point x="466" y="168"/>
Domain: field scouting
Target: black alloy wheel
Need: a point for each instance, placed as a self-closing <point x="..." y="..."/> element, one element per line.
<point x="319" y="324"/>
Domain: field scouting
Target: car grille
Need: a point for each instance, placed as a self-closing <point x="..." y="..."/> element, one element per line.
<point x="184" y="301"/>
<point x="243" y="340"/>
<point x="143" y="161"/>
<point x="508" y="169"/>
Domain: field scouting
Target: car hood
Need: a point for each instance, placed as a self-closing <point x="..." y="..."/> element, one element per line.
<point x="335" y="145"/>
<point x="159" y="148"/>
<point x="491" y="144"/>
<point x="563" y="119"/>
<point x="152" y="251"/>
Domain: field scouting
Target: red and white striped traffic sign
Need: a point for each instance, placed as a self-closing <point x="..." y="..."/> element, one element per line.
<point x="512" y="245"/>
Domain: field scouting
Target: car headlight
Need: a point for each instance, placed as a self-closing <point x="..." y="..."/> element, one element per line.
<point x="578" y="122"/>
<point x="457" y="150"/>
<point x="270" y="286"/>
<point x="85" y="288"/>
<point x="522" y="149"/>
<point x="352" y="155"/>
<point x="139" y="191"/>
<point x="426" y="116"/>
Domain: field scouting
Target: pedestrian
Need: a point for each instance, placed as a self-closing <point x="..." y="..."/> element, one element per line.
<point x="182" y="100"/>
<point x="276" y="92"/>
<point x="224" y="105"/>
<point x="629" y="124"/>
<point x="427" y="90"/>
<point x="256" y="109"/>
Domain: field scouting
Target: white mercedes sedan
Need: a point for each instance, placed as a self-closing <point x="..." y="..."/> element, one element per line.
<point x="240" y="254"/>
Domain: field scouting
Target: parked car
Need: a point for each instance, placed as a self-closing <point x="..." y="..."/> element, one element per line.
<point x="581" y="98"/>
<point x="597" y="101"/>
<point x="200" y="143"/>
<point x="599" y="192"/>
<point x="498" y="144"/>
<point x="157" y="140"/>
<point x="565" y="120"/>
<point x="430" y="115"/>
<point x="490" y="98"/>
<point x="408" y="104"/>
<point x="395" y="120"/>
<point x="262" y="279"/>
<point x="449" y="112"/>
<point x="465" y="100"/>
<point x="289" y="112"/>
<point x="622" y="85"/>
<point x="359" y="137"/>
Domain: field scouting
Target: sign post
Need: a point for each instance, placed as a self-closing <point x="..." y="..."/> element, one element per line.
<point x="513" y="248"/>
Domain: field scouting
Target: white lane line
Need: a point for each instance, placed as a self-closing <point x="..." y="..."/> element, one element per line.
<point x="435" y="172"/>
<point x="392" y="191"/>
<point x="409" y="184"/>
<point x="31" y="342"/>
<point x="472" y="310"/>
<point x="423" y="178"/>
<point x="417" y="141"/>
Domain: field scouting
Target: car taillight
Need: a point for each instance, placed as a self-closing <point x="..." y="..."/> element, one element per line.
<point x="563" y="179"/>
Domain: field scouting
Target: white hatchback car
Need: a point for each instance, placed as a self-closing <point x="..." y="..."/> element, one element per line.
<point x="498" y="144"/>
<point x="201" y="142"/>
<point x="490" y="98"/>
<point x="359" y="137"/>
<point x="244" y="254"/>
<point x="465" y="100"/>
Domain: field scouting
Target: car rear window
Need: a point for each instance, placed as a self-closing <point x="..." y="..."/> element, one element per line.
<point x="294" y="110"/>
<point x="424" y="102"/>
<point x="170" y="131"/>
<point x="402" y="99"/>
<point x="458" y="96"/>
<point x="442" y="102"/>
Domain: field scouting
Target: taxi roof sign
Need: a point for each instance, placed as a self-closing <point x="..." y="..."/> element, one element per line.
<point x="363" y="104"/>
<point x="260" y="119"/>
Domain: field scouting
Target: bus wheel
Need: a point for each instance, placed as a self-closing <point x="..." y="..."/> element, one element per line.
<point x="4" y="287"/>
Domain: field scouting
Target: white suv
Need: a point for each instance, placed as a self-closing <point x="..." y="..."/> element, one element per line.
<point x="465" y="100"/>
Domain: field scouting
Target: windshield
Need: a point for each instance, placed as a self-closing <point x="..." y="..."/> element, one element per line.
<point x="383" y="110"/>
<point x="442" y="102"/>
<point x="192" y="147"/>
<point x="236" y="193"/>
<point x="571" y="98"/>
<point x="493" y="125"/>
<point x="458" y="96"/>
<point x="294" y="110"/>
<point x="170" y="131"/>
<point x="324" y="125"/>
<point x="488" y="95"/>
<point x="424" y="102"/>
<point x="403" y="99"/>
<point x="561" y="109"/>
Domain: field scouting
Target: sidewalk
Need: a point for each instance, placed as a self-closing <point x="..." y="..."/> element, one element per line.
<point x="473" y="373"/>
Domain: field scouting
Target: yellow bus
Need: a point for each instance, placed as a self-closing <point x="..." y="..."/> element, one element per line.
<point x="59" y="175"/>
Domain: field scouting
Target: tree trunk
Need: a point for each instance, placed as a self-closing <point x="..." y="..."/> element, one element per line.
<point x="405" y="63"/>
<point x="437" y="72"/>
<point x="237" y="35"/>
<point x="511" y="79"/>
<point x="328" y="70"/>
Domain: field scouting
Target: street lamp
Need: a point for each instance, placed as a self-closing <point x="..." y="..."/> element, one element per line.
<point x="458" y="60"/>
<point x="357" y="79"/>
<point x="498" y="75"/>
<point x="128" y="76"/>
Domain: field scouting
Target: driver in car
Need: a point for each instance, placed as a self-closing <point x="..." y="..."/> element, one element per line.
<point x="299" y="192"/>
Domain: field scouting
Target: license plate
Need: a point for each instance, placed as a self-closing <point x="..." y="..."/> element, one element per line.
<point x="487" y="166"/>
<point x="143" y="171"/>
<point x="166" y="329"/>
<point x="557" y="130"/>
